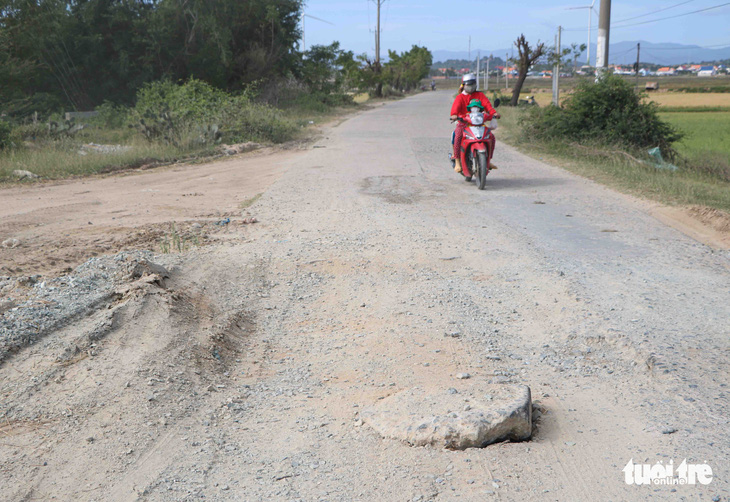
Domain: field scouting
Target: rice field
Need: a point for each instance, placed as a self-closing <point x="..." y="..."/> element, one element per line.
<point x="706" y="145"/>
<point x="690" y="100"/>
<point x="663" y="99"/>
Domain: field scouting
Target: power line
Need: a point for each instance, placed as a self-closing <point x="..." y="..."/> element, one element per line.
<point x="655" y="12"/>
<point x="615" y="56"/>
<point x="674" y="17"/>
<point x="387" y="11"/>
<point x="656" y="58"/>
<point x="654" y="20"/>
<point x="690" y="48"/>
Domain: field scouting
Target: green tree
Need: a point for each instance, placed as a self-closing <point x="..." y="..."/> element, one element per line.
<point x="82" y="52"/>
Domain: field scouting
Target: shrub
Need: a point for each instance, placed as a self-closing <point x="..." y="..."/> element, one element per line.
<point x="111" y="116"/>
<point x="196" y="114"/>
<point x="5" y="133"/>
<point x="248" y="121"/>
<point x="387" y="92"/>
<point x="193" y="101"/>
<point x="32" y="131"/>
<point x="608" y="111"/>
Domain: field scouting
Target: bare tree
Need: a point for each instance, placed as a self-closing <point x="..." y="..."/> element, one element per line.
<point x="528" y="57"/>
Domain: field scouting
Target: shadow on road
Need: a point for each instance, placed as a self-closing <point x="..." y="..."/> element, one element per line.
<point x="494" y="182"/>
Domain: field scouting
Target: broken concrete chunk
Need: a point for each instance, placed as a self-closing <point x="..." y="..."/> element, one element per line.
<point x="429" y="416"/>
<point x="151" y="272"/>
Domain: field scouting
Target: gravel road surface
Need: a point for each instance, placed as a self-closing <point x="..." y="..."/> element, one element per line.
<point x="375" y="269"/>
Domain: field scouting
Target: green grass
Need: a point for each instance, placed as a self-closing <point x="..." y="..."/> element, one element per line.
<point x="694" y="109"/>
<point x="705" y="132"/>
<point x="688" y="185"/>
<point x="706" y="145"/>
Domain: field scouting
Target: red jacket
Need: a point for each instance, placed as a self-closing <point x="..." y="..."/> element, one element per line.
<point x="462" y="100"/>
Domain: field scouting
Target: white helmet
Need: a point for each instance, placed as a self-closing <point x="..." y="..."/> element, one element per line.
<point x="470" y="82"/>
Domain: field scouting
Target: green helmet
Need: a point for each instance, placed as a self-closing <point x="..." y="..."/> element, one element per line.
<point x="475" y="102"/>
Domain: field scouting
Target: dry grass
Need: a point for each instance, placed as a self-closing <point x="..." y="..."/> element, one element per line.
<point x="57" y="160"/>
<point x="681" y="99"/>
<point x="670" y="99"/>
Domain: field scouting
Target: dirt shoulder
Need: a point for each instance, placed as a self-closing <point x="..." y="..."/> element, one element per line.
<point x="53" y="227"/>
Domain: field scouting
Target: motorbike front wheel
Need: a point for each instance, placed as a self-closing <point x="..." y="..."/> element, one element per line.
<point x="482" y="169"/>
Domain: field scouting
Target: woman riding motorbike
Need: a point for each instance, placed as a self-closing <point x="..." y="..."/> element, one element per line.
<point x="459" y="109"/>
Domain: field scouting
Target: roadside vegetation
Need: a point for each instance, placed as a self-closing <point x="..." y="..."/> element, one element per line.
<point x="605" y="131"/>
<point x="166" y="84"/>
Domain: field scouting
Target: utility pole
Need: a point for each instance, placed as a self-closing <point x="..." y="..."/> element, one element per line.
<point x="378" y="85"/>
<point x="506" y="72"/>
<point x="604" y="27"/>
<point x="638" y="62"/>
<point x="377" y="35"/>
<point x="556" y="68"/>
<point x="486" y="77"/>
<point x="479" y="57"/>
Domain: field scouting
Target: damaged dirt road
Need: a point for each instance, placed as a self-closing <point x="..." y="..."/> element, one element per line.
<point x="242" y="370"/>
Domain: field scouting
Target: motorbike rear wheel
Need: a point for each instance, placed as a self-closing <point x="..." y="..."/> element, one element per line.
<point x="482" y="169"/>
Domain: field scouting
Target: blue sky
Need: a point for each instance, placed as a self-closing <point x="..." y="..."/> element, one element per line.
<point x="446" y="25"/>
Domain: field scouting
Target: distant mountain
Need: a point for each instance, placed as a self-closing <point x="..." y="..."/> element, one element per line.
<point x="621" y="53"/>
<point x="664" y="54"/>
<point x="441" y="56"/>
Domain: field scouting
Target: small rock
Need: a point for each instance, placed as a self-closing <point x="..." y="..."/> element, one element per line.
<point x="22" y="174"/>
<point x="463" y="376"/>
<point x="10" y="243"/>
<point x="669" y="430"/>
<point x="6" y="305"/>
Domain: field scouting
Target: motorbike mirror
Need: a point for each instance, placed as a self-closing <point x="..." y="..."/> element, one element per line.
<point x="497" y="102"/>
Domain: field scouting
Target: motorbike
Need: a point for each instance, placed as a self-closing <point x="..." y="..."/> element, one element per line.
<point x="475" y="148"/>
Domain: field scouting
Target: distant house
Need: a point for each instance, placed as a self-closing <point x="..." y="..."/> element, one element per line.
<point x="666" y="71"/>
<point x="707" y="71"/>
<point x="695" y="68"/>
<point x="620" y="70"/>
